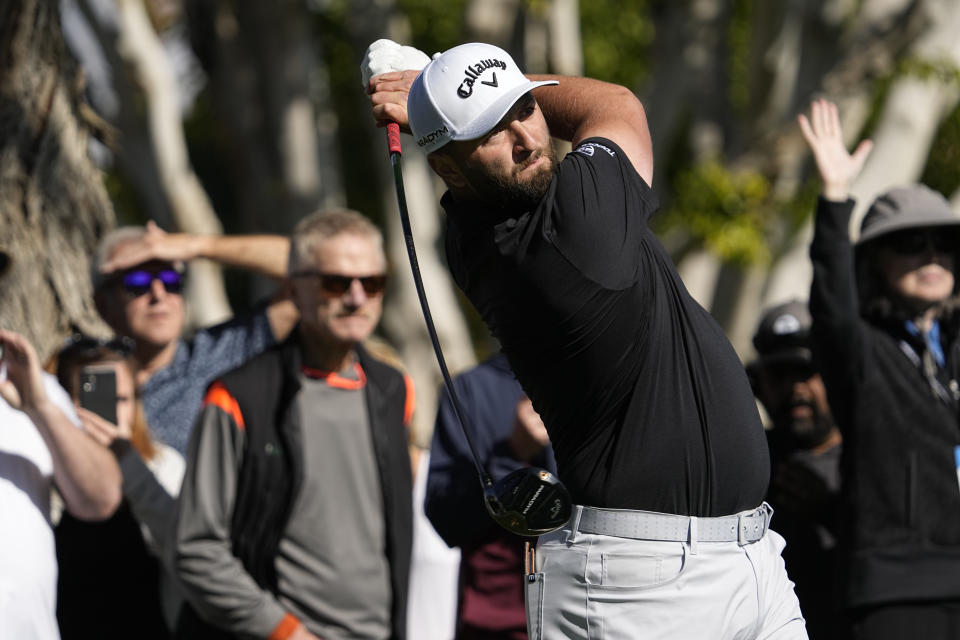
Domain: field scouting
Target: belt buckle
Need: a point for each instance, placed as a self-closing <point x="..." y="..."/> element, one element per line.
<point x="744" y="520"/>
<point x="742" y="530"/>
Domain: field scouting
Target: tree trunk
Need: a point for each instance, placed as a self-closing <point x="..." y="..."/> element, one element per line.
<point x="141" y="50"/>
<point x="403" y="321"/>
<point x="913" y="111"/>
<point x="53" y="206"/>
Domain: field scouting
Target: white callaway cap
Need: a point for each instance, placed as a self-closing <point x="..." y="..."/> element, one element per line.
<point x="463" y="93"/>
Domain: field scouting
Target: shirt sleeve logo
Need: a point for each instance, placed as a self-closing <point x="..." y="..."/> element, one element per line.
<point x="588" y="149"/>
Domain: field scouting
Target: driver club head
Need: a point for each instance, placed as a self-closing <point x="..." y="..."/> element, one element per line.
<point x="528" y="502"/>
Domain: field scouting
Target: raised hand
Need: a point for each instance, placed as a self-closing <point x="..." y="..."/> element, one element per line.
<point x="22" y="387"/>
<point x="156" y="244"/>
<point x="838" y="168"/>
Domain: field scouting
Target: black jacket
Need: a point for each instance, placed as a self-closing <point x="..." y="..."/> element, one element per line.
<point x="900" y="528"/>
<point x="272" y="470"/>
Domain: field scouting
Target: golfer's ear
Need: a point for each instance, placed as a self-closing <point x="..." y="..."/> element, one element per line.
<point x="445" y="167"/>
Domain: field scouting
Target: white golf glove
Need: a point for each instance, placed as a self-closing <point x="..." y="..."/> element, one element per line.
<point x="386" y="55"/>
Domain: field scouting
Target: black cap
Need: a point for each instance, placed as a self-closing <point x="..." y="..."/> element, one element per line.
<point x="783" y="334"/>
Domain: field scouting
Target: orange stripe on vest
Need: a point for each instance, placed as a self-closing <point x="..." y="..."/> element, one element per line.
<point x="218" y="396"/>
<point x="284" y="628"/>
<point x="411" y="402"/>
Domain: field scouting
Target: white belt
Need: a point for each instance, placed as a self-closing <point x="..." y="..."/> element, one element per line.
<point x="743" y="528"/>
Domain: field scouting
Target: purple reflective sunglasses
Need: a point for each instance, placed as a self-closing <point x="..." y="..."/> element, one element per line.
<point x="138" y="282"/>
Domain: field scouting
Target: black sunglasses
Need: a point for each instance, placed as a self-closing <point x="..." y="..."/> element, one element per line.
<point x="337" y="284"/>
<point x="138" y="281"/>
<point x="83" y="346"/>
<point x="915" y="241"/>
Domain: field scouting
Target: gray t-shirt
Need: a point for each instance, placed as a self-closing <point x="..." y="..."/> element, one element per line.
<point x="331" y="566"/>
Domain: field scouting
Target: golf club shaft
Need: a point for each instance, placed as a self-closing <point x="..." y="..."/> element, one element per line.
<point x="393" y="142"/>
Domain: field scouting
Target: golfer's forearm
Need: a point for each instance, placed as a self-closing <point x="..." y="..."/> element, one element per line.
<point x="578" y="104"/>
<point x="581" y="108"/>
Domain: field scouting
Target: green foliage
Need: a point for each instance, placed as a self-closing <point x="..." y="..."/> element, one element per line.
<point x="124" y="198"/>
<point x="739" y="34"/>
<point x="725" y="210"/>
<point x="942" y="70"/>
<point x="434" y="26"/>
<point x="941" y="170"/>
<point x="616" y="40"/>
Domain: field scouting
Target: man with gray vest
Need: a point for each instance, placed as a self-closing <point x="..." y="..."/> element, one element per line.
<point x="295" y="518"/>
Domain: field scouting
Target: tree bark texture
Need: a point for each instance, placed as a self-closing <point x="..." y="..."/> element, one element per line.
<point x="53" y="205"/>
<point x="146" y="61"/>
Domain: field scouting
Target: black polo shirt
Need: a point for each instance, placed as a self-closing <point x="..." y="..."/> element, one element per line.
<point x="646" y="402"/>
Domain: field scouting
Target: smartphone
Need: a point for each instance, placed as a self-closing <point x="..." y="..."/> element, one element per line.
<point x="98" y="392"/>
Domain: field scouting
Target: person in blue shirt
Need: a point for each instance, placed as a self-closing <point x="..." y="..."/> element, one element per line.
<point x="138" y="277"/>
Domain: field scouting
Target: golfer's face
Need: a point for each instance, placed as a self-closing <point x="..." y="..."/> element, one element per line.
<point x="515" y="159"/>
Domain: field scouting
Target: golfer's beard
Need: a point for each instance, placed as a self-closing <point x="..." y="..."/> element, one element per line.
<point x="510" y="192"/>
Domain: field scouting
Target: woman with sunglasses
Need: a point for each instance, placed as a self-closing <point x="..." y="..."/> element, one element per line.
<point x="885" y="328"/>
<point x="112" y="583"/>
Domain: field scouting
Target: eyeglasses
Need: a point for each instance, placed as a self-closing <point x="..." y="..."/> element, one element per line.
<point x="138" y="282"/>
<point x="337" y="284"/>
<point x="916" y="241"/>
<point x="84" y="347"/>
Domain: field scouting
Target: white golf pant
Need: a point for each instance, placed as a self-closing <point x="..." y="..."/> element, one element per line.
<point x="594" y="586"/>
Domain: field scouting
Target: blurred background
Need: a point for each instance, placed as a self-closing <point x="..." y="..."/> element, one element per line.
<point x="241" y="116"/>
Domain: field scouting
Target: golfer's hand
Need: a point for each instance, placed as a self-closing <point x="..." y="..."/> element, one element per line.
<point x="22" y="387"/>
<point x="388" y="70"/>
<point x="385" y="56"/>
<point x="156" y="244"/>
<point x="838" y="168"/>
<point x="529" y="435"/>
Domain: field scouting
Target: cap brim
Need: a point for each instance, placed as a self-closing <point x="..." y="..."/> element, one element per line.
<point x="492" y="115"/>
<point x="914" y="222"/>
<point x="796" y="355"/>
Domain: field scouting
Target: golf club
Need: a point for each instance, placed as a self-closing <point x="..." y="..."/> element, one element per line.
<point x="528" y="501"/>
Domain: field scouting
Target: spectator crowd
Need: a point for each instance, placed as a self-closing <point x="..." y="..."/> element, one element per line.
<point x="255" y="479"/>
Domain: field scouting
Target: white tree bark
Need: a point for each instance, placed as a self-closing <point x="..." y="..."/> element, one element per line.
<point x="912" y="113"/>
<point x="402" y="319"/>
<point x="140" y="47"/>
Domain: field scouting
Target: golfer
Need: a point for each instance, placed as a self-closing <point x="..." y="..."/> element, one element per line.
<point x="649" y="410"/>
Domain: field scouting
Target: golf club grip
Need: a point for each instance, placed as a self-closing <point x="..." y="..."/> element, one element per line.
<point x="393" y="137"/>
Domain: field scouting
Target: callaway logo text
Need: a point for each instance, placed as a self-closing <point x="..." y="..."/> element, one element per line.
<point x="473" y="72"/>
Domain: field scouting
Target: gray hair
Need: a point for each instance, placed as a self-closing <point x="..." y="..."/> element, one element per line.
<point x="325" y="224"/>
<point x="106" y="247"/>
